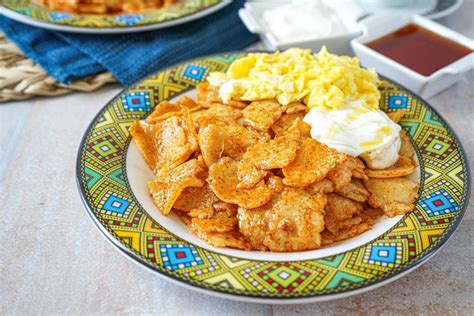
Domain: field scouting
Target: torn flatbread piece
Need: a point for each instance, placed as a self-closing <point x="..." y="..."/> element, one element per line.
<point x="292" y="221"/>
<point x="403" y="167"/>
<point x="323" y="186"/>
<point x="342" y="174"/>
<point x="217" y="113"/>
<point x="167" y="188"/>
<point x="207" y="95"/>
<point x="341" y="212"/>
<point x="220" y="222"/>
<point x="262" y="114"/>
<point x="223" y="180"/>
<point x="277" y="153"/>
<point x="312" y="163"/>
<point x="354" y="190"/>
<point x="167" y="143"/>
<point x="285" y="122"/>
<point x="163" y="110"/>
<point x="394" y="196"/>
<point x="295" y="107"/>
<point x="232" y="239"/>
<point x="406" y="149"/>
<point x="198" y="200"/>
<point x="231" y="140"/>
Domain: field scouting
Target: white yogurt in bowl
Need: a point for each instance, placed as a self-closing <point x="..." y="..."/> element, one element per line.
<point x="302" y="20"/>
<point x="303" y="23"/>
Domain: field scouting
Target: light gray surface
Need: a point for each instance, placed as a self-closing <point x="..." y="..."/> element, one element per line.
<point x="54" y="261"/>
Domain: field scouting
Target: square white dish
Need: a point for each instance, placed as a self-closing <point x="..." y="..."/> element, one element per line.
<point x="348" y="14"/>
<point x="379" y="25"/>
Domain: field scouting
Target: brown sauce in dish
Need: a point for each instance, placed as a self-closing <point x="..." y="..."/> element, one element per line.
<point x="419" y="49"/>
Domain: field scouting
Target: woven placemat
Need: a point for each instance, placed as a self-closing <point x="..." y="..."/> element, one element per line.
<point x="21" y="78"/>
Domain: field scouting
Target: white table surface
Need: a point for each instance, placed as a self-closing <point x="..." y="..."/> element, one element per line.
<point x="54" y="261"/>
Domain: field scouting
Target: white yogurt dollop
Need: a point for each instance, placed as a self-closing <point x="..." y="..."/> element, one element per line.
<point x="302" y="20"/>
<point x="357" y="130"/>
<point x="383" y="157"/>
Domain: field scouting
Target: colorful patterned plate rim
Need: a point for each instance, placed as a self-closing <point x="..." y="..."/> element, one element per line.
<point x="105" y="190"/>
<point x="28" y="12"/>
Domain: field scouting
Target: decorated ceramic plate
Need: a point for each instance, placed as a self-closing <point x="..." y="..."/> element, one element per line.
<point x="29" y="12"/>
<point x="112" y="179"/>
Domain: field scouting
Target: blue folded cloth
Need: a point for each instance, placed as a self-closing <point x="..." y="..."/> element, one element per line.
<point x="129" y="57"/>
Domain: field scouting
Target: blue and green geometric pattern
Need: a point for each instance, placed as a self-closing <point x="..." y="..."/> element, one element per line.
<point x="136" y="101"/>
<point x="179" y="256"/>
<point x="116" y="204"/>
<point x="438" y="203"/>
<point x="194" y="72"/>
<point x="129" y="19"/>
<point x="397" y="102"/>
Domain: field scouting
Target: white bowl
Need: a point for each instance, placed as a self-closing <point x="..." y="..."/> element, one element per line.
<point x="252" y="12"/>
<point x="379" y="25"/>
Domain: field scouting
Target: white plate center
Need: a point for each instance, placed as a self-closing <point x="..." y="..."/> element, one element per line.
<point x="138" y="174"/>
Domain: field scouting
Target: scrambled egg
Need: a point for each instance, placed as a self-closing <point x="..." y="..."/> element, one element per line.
<point x="319" y="80"/>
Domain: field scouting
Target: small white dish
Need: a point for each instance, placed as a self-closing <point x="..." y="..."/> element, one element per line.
<point x="348" y="14"/>
<point x="379" y="25"/>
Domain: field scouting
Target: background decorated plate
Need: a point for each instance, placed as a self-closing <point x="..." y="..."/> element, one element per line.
<point x="29" y="12"/>
<point x="112" y="181"/>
